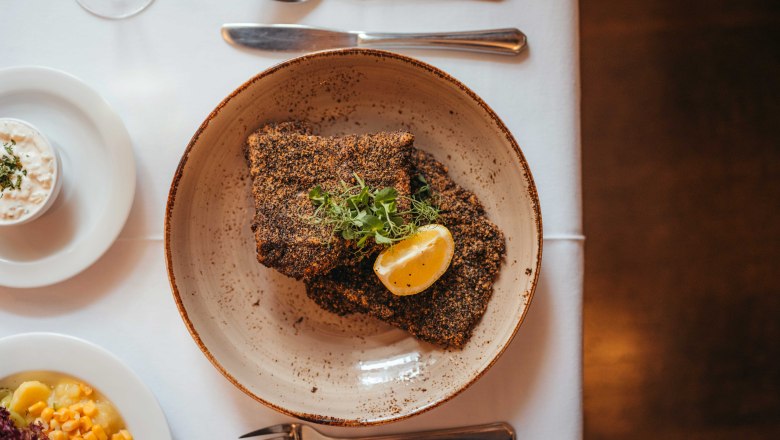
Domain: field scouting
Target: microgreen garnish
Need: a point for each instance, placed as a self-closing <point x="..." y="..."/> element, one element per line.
<point x="360" y="213"/>
<point x="11" y="169"/>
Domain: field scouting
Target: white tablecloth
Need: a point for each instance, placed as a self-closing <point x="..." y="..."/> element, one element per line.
<point x="165" y="69"/>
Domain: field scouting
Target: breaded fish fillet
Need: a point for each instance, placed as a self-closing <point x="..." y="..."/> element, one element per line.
<point x="447" y="312"/>
<point x="286" y="161"/>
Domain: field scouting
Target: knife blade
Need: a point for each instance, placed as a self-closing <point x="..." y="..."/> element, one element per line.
<point x="294" y="37"/>
<point x="286" y="37"/>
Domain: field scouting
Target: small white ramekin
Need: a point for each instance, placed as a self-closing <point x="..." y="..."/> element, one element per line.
<point x="55" y="190"/>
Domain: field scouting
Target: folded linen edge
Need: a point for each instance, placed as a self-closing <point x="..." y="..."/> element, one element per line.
<point x="564" y="237"/>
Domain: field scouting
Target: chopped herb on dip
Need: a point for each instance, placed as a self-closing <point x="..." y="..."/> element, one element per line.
<point x="11" y="169"/>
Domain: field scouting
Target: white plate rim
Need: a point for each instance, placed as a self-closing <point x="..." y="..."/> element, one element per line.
<point x="96" y="366"/>
<point x="118" y="145"/>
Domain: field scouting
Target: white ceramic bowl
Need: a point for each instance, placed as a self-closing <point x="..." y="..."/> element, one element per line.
<point x="56" y="353"/>
<point x="258" y="327"/>
<point x="51" y="197"/>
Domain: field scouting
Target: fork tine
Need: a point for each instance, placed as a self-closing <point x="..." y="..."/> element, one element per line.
<point x="282" y="428"/>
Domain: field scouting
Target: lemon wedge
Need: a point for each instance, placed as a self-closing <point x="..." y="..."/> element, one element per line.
<point x="415" y="263"/>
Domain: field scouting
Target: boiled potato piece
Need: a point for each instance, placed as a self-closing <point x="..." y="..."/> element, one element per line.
<point x="28" y="393"/>
<point x="66" y="393"/>
<point x="5" y="397"/>
<point x="18" y="420"/>
<point x="107" y="416"/>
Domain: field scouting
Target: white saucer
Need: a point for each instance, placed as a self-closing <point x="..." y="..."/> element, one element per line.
<point x="52" y="352"/>
<point x="98" y="170"/>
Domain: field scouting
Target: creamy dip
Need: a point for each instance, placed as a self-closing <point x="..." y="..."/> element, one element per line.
<point x="38" y="159"/>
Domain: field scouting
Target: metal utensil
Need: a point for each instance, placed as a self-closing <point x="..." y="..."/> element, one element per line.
<point x="297" y="431"/>
<point x="293" y="37"/>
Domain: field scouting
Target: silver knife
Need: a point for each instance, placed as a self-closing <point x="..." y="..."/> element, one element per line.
<point x="295" y="37"/>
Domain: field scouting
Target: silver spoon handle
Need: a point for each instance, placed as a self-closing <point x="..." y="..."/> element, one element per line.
<point x="492" y="431"/>
<point x="508" y="41"/>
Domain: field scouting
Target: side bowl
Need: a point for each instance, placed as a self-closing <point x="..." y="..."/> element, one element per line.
<point x="82" y="360"/>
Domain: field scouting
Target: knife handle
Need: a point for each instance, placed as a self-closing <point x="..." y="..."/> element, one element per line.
<point x="492" y="431"/>
<point x="508" y="41"/>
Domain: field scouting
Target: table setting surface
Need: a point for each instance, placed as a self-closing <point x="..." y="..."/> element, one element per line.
<point x="165" y="69"/>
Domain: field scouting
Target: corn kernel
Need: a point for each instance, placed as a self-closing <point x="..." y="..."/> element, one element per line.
<point x="90" y="436"/>
<point x="36" y="409"/>
<point x="61" y="415"/>
<point x="125" y="434"/>
<point x="54" y="424"/>
<point x="70" y="425"/>
<point x="58" y="435"/>
<point x="76" y="407"/>
<point x="85" y="423"/>
<point x="90" y="409"/>
<point x="99" y="432"/>
<point x="47" y="413"/>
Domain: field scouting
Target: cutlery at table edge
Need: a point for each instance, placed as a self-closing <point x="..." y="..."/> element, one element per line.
<point x="293" y="37"/>
<point x="298" y="431"/>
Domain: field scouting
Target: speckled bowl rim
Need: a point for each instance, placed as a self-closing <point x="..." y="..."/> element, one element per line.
<point x="532" y="193"/>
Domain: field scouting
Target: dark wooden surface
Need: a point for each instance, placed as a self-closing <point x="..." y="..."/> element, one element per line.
<point x="681" y="163"/>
